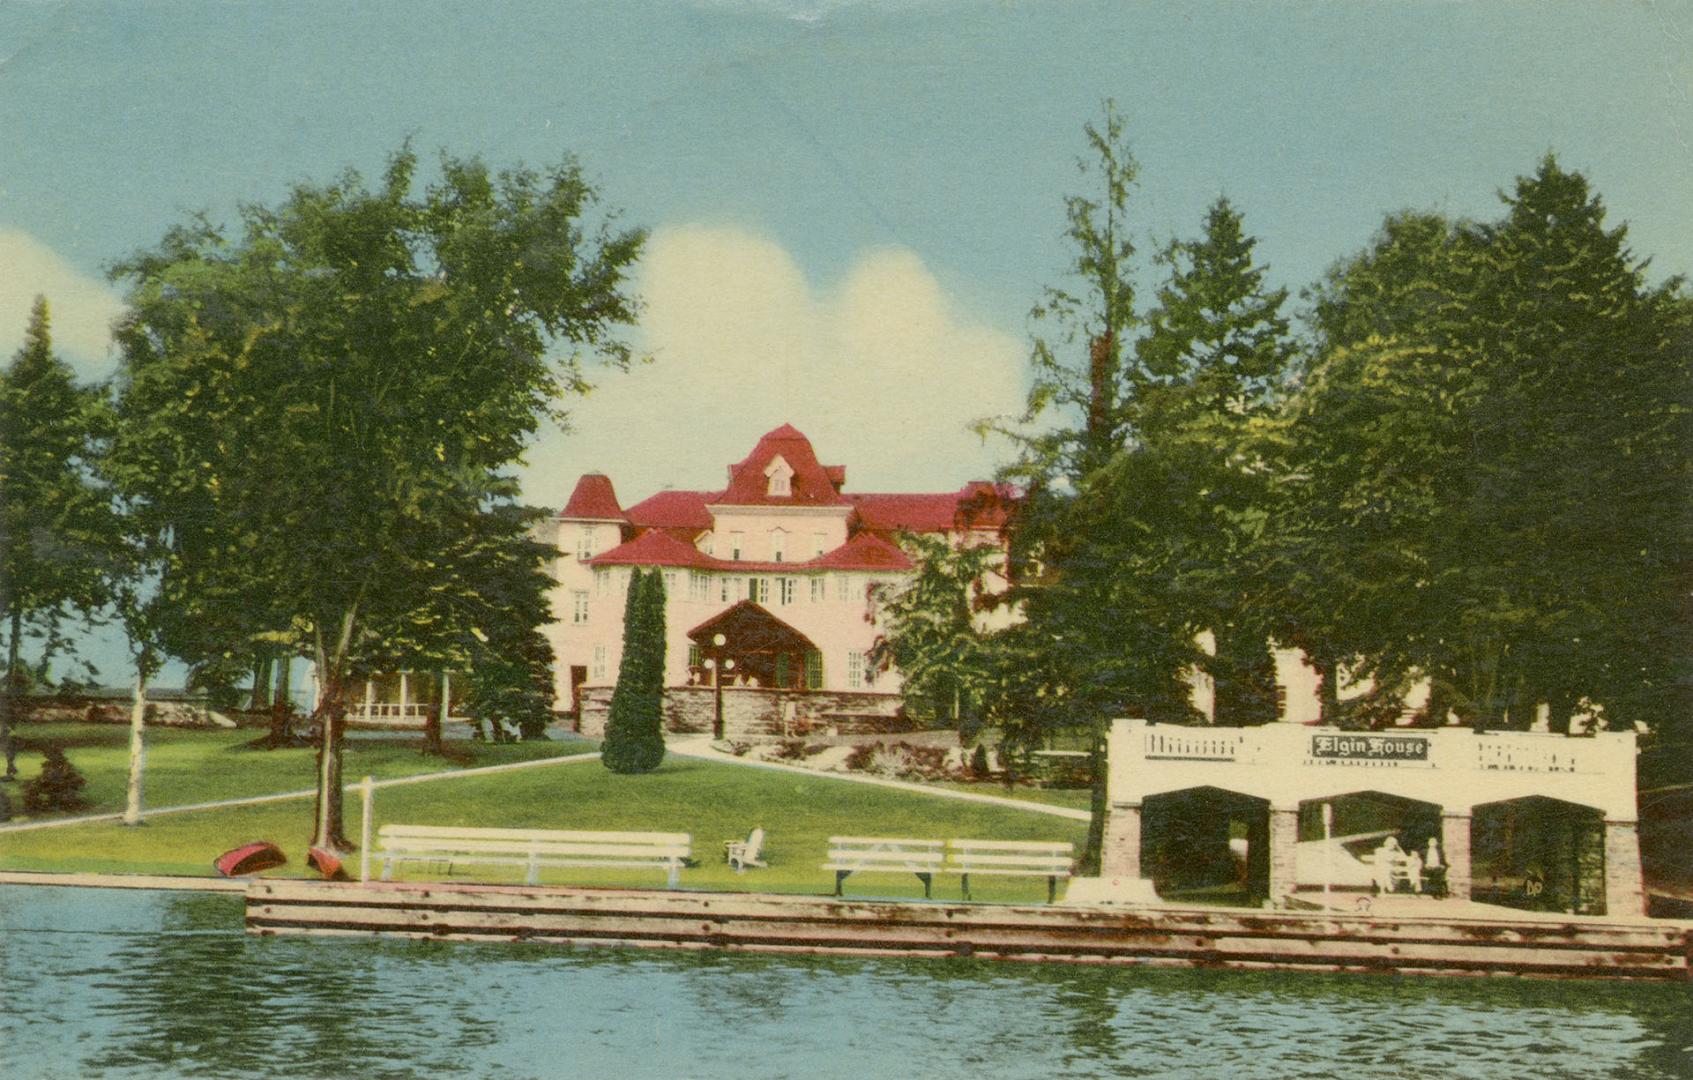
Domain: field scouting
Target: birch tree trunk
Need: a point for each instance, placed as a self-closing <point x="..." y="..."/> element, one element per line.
<point x="137" y="743"/>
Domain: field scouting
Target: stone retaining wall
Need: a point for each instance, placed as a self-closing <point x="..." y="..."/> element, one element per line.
<point x="754" y="713"/>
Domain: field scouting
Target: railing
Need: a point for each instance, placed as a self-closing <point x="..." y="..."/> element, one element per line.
<point x="392" y="712"/>
<point x="1414" y="748"/>
<point x="1192" y="744"/>
<point x="1505" y="753"/>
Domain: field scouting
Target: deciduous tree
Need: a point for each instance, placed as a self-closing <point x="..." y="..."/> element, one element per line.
<point x="303" y="400"/>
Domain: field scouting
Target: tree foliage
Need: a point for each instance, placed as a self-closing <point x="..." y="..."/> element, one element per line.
<point x="634" y="734"/>
<point x="936" y="634"/>
<point x="1489" y="463"/>
<point x="57" y="530"/>
<point x="311" y="408"/>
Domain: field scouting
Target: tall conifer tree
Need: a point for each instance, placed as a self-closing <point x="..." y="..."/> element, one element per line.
<point x="57" y="530"/>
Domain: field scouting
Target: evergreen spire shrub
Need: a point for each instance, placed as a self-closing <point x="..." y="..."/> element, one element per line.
<point x="634" y="735"/>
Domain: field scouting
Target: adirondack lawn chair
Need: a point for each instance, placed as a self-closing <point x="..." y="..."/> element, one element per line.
<point x="744" y="853"/>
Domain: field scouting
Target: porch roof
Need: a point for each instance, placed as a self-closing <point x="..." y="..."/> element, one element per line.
<point x="749" y="628"/>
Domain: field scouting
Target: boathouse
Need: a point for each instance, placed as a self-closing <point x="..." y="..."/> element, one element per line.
<point x="1523" y="819"/>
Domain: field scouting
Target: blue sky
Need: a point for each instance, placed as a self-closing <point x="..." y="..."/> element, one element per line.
<point x="854" y="202"/>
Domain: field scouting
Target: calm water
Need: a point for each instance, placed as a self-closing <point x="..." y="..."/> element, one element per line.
<point x="112" y="983"/>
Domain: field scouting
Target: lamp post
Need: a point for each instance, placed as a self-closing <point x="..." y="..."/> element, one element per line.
<point x="718" y="666"/>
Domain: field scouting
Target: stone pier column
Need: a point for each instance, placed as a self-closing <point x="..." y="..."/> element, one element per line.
<point x="1120" y="856"/>
<point x="1625" y="891"/>
<point x="1455" y="850"/>
<point x="1284" y="852"/>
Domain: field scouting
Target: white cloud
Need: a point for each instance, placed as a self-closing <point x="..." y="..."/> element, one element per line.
<point x="882" y="372"/>
<point x="81" y="307"/>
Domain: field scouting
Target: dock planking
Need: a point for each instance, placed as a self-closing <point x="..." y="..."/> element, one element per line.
<point x="1164" y="936"/>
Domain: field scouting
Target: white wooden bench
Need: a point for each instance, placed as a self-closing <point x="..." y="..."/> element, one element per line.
<point x="885" y="855"/>
<point x="1009" y="858"/>
<point x="531" y="848"/>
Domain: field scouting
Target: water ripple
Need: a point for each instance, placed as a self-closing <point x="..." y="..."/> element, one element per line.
<point x="146" y="985"/>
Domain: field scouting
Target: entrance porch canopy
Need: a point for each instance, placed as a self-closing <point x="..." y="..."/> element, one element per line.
<point x="763" y="647"/>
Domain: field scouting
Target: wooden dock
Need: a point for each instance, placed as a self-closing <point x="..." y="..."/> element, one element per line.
<point x="1166" y="936"/>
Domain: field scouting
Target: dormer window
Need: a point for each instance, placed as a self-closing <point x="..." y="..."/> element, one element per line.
<point x="780" y="475"/>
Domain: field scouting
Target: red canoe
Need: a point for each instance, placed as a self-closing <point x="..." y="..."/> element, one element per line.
<point x="326" y="863"/>
<point x="249" y="859"/>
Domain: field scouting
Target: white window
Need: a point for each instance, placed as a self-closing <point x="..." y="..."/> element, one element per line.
<point x="758" y="590"/>
<point x="778" y="545"/>
<point x="736" y="542"/>
<point x="602" y="580"/>
<point x="579" y="606"/>
<point x="585" y="544"/>
<point x="816" y="544"/>
<point x="699" y="587"/>
<point x="671" y="579"/>
<point x="819" y="590"/>
<point x="843" y="588"/>
<point x="624" y="573"/>
<point x="599" y="663"/>
<point x="785" y="590"/>
<point x="855" y="670"/>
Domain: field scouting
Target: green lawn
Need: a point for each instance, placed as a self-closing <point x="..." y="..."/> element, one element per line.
<point x="711" y="801"/>
<point x="195" y="766"/>
<point x="1071" y="798"/>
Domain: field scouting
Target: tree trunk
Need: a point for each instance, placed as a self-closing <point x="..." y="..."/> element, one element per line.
<point x="436" y="718"/>
<point x="1439" y="704"/>
<point x="137" y="741"/>
<point x="328" y="830"/>
<point x="260" y="695"/>
<point x="1560" y="708"/>
<point x="1328" y="689"/>
<point x="9" y="696"/>
<point x="1089" y="863"/>
<point x="279" y="703"/>
<point x="331" y="712"/>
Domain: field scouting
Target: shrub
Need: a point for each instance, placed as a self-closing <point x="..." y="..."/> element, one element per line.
<point x="5" y="806"/>
<point x="921" y="762"/>
<point x="861" y="757"/>
<point x="979" y="761"/>
<point x="791" y="750"/>
<point x="58" y="787"/>
<point x="634" y="734"/>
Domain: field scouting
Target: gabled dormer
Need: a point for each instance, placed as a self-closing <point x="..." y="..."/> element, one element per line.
<point x="782" y="470"/>
<point x="779" y="478"/>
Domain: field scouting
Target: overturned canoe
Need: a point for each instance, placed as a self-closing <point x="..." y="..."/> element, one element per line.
<point x="327" y="863"/>
<point x="249" y="859"/>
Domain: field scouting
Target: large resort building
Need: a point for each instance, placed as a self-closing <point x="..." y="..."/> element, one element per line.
<point x="771" y="588"/>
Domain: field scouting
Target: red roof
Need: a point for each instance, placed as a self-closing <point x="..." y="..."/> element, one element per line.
<point x="655" y="547"/>
<point x="978" y="504"/>
<point x="812" y="484"/>
<point x="593" y="500"/>
<point x="673" y="510"/>
<point x="866" y="551"/>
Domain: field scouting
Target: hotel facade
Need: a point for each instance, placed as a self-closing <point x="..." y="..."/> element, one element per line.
<point x="772" y="583"/>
